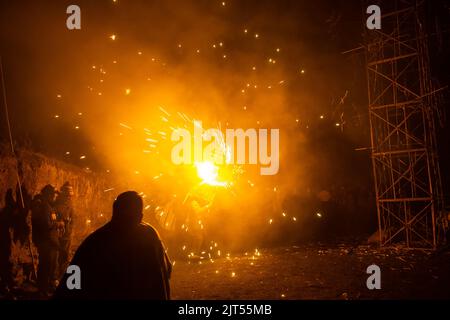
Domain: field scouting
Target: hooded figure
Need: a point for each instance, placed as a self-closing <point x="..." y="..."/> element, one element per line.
<point x="124" y="259"/>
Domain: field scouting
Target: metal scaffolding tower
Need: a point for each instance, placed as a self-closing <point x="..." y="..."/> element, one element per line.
<point x="402" y="109"/>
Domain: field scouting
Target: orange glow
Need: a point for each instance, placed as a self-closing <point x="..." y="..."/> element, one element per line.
<point x="208" y="172"/>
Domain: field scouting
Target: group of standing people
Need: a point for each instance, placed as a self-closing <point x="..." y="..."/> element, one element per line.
<point x="124" y="259"/>
<point x="52" y="220"/>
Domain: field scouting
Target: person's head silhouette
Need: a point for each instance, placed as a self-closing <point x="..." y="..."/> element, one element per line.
<point x="127" y="209"/>
<point x="48" y="193"/>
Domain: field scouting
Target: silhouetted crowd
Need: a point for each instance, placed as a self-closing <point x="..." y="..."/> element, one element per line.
<point x="52" y="225"/>
<point x="52" y="220"/>
<point x="123" y="259"/>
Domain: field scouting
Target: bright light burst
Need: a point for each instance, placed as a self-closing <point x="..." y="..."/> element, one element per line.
<point x="209" y="173"/>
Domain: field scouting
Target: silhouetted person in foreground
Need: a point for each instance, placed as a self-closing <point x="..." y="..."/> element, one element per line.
<point x="124" y="259"/>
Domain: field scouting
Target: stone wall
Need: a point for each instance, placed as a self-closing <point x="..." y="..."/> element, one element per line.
<point x="92" y="202"/>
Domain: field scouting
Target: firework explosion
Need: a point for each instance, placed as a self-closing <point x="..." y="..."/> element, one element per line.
<point x="129" y="86"/>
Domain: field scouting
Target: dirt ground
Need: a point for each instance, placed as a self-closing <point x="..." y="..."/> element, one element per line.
<point x="315" y="272"/>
